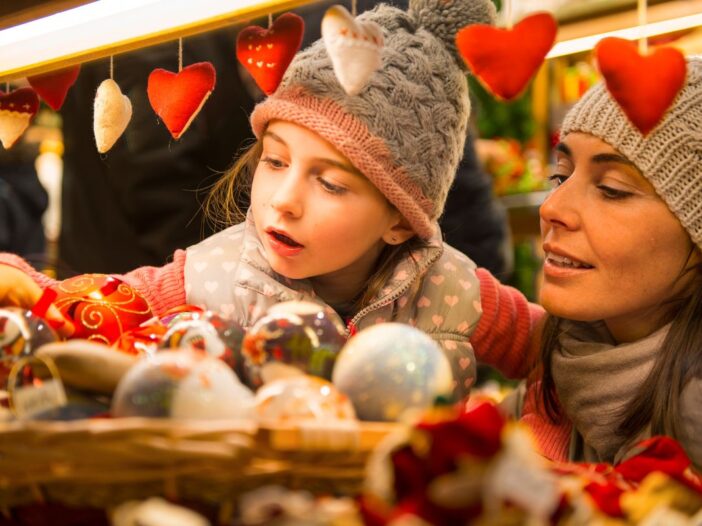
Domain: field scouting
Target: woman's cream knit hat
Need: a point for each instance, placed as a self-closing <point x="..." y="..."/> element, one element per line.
<point x="670" y="156"/>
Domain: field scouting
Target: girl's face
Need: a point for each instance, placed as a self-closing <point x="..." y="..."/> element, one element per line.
<point x="315" y="213"/>
<point x="613" y="249"/>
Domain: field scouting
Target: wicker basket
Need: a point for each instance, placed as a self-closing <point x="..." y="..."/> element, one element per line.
<point x="101" y="463"/>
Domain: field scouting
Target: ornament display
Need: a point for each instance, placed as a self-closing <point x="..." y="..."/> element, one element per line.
<point x="504" y="59"/>
<point x="53" y="87"/>
<point x="302" y="398"/>
<point x="643" y="86"/>
<point x="292" y="336"/>
<point x="267" y="53"/>
<point x="177" y="98"/>
<point x="101" y="307"/>
<point x="21" y="333"/>
<point x="16" y="111"/>
<point x="389" y="368"/>
<point x="182" y="384"/>
<point x="142" y="340"/>
<point x="112" y="113"/>
<point x="354" y="47"/>
<point x="207" y="331"/>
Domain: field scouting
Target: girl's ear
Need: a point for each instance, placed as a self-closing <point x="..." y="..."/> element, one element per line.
<point x="399" y="232"/>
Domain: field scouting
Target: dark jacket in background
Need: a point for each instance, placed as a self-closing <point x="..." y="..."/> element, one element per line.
<point x="140" y="201"/>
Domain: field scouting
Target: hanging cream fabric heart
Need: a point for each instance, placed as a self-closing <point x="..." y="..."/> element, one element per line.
<point x="354" y="47"/>
<point x="16" y="111"/>
<point x="113" y="111"/>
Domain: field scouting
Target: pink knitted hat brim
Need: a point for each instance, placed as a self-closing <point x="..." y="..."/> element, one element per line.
<point x="353" y="139"/>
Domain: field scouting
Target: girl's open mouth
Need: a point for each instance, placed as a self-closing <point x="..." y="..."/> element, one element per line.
<point x="284" y="239"/>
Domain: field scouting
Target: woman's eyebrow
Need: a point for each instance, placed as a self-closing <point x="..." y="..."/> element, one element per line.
<point x="563" y="148"/>
<point x="613" y="158"/>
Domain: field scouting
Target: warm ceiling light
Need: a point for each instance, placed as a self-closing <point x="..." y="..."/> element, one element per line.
<point x="578" y="45"/>
<point x="106" y="27"/>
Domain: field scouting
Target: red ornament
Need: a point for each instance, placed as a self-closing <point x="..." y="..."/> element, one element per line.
<point x="505" y="60"/>
<point x="141" y="340"/>
<point x="102" y="307"/>
<point x="644" y="86"/>
<point x="267" y="53"/>
<point x="53" y="87"/>
<point x="16" y="111"/>
<point x="178" y="97"/>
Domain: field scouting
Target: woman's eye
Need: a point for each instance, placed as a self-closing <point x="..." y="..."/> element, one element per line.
<point x="612" y="193"/>
<point x="557" y="180"/>
<point x="330" y="187"/>
<point x="276" y="164"/>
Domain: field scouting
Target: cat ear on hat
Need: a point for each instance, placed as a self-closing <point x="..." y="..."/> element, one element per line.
<point x="506" y="59"/>
<point x="267" y="53"/>
<point x="354" y="47"/>
<point x="644" y="85"/>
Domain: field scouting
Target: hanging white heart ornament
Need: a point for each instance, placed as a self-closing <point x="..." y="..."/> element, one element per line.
<point x="113" y="111"/>
<point x="353" y="46"/>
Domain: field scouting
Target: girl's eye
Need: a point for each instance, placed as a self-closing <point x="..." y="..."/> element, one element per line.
<point x="612" y="193"/>
<point x="557" y="180"/>
<point x="331" y="188"/>
<point x="272" y="162"/>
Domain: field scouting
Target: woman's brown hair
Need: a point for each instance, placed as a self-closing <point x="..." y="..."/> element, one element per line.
<point x="222" y="210"/>
<point x="657" y="401"/>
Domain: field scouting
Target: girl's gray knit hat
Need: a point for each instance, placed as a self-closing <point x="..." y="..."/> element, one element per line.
<point x="406" y="128"/>
<point x="670" y="156"/>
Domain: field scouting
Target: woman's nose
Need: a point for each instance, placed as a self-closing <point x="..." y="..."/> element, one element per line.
<point x="560" y="209"/>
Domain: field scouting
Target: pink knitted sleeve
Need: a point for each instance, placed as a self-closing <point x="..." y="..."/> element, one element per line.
<point x="505" y="335"/>
<point x="163" y="287"/>
<point x="16" y="261"/>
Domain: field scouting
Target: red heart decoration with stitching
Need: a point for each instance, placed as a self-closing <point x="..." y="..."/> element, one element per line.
<point x="178" y="97"/>
<point x="267" y="53"/>
<point x="53" y="87"/>
<point x="644" y="86"/>
<point x="505" y="60"/>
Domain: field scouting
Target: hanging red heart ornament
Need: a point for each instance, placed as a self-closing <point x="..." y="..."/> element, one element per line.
<point x="178" y="97"/>
<point x="643" y="86"/>
<point x="53" y="87"/>
<point x="16" y="111"/>
<point x="505" y="60"/>
<point x="267" y="53"/>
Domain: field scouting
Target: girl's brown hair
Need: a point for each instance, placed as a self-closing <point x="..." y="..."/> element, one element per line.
<point x="657" y="401"/>
<point x="222" y="210"/>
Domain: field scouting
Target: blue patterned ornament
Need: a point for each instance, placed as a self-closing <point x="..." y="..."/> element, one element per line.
<point x="292" y="336"/>
<point x="389" y="368"/>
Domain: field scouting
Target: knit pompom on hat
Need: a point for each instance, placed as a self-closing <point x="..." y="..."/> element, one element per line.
<point x="670" y="156"/>
<point x="406" y="128"/>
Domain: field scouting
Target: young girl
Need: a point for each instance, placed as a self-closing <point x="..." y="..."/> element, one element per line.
<point x="345" y="195"/>
<point x="622" y="284"/>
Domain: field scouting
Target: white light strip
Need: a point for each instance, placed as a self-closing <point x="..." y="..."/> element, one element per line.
<point x="578" y="45"/>
<point x="84" y="31"/>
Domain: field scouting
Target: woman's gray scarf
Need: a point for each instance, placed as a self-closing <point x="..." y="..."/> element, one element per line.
<point x="596" y="378"/>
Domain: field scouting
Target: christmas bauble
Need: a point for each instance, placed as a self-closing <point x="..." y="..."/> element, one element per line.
<point x="21" y="332"/>
<point x="101" y="307"/>
<point x="389" y="368"/>
<point x="182" y="384"/>
<point x="294" y="334"/>
<point x="302" y="398"/>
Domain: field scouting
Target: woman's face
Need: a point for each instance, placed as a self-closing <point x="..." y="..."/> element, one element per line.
<point x="613" y="250"/>
<point x="314" y="212"/>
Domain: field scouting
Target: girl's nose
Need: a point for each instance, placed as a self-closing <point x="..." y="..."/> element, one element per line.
<point x="560" y="207"/>
<point x="287" y="199"/>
